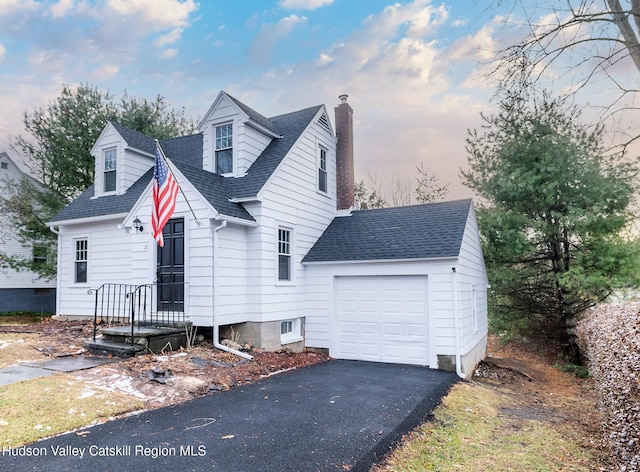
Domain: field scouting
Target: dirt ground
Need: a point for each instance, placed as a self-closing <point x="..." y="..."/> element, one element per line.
<point x="528" y="372"/>
<point x="158" y="380"/>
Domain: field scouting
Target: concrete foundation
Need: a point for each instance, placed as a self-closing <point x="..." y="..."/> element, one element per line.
<point x="264" y="336"/>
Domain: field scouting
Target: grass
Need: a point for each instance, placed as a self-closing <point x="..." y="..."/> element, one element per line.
<point x="16" y="347"/>
<point x="53" y="405"/>
<point x="22" y="317"/>
<point x="469" y="433"/>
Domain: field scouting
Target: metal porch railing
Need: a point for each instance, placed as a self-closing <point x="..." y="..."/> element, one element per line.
<point x="152" y="305"/>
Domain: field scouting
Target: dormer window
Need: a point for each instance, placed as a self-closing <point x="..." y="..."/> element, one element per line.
<point x="224" y="149"/>
<point x="110" y="166"/>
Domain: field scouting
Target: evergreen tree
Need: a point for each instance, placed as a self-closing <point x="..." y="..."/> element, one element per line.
<point x="555" y="213"/>
<point x="56" y="149"/>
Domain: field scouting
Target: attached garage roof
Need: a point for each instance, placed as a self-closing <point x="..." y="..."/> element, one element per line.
<point x="433" y="230"/>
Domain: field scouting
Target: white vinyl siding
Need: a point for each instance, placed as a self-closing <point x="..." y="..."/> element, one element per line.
<point x="248" y="142"/>
<point x="10" y="243"/>
<point x="290" y="199"/>
<point x="131" y="163"/>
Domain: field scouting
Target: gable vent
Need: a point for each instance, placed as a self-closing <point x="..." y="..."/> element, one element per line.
<point x="324" y="122"/>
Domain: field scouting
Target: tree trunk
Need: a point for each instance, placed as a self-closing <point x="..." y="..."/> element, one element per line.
<point x="573" y="350"/>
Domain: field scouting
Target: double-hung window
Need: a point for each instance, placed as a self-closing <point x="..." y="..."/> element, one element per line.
<point x="81" y="259"/>
<point x="39" y="253"/>
<point x="284" y="254"/>
<point x="322" y="171"/>
<point x="224" y="149"/>
<point x="110" y="166"/>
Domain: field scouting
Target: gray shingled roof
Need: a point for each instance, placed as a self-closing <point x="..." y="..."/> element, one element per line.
<point x="186" y="153"/>
<point x="427" y="231"/>
<point x="255" y="116"/>
<point x="136" y="139"/>
<point x="291" y="126"/>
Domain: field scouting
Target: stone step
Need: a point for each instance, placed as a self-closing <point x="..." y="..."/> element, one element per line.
<point x="101" y="347"/>
<point x="145" y="338"/>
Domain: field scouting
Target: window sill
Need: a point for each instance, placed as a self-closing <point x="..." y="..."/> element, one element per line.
<point x="290" y="340"/>
<point x="285" y="283"/>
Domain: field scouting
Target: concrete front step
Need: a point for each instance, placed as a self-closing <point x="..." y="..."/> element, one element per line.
<point x="117" y="341"/>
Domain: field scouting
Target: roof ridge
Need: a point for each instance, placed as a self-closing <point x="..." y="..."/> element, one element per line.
<point x="254" y="115"/>
<point x="297" y="111"/>
<point x="445" y="202"/>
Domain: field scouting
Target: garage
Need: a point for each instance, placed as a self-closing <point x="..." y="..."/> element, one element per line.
<point x="401" y="285"/>
<point x="382" y="319"/>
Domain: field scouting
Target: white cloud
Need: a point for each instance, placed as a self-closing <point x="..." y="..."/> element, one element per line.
<point x="106" y="72"/>
<point x="12" y="7"/>
<point x="169" y="38"/>
<point x="168" y="53"/>
<point x="270" y="33"/>
<point x="160" y="14"/>
<point x="399" y="83"/>
<point x="3" y="51"/>
<point x="304" y="4"/>
<point x="61" y="8"/>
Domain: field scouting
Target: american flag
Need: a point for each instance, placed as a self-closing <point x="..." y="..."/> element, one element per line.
<point x="165" y="192"/>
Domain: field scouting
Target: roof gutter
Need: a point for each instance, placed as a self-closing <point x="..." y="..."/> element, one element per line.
<point x="90" y="219"/>
<point x="214" y="321"/>
<point x="236" y="220"/>
<point x="373" y="261"/>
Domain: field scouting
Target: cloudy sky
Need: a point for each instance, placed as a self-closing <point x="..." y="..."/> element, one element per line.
<point x="411" y="68"/>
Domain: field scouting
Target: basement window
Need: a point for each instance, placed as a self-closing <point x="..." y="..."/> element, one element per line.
<point x="290" y="331"/>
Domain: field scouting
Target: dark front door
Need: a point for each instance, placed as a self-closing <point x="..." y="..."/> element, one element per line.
<point x="171" y="267"/>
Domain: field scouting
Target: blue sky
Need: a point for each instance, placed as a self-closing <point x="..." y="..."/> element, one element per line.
<point x="411" y="68"/>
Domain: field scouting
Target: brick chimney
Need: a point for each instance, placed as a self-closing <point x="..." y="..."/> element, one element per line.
<point x="344" y="155"/>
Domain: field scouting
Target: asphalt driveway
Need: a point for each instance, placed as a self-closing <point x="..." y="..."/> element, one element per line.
<point x="334" y="416"/>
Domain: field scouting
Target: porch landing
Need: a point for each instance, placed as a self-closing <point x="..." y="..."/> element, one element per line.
<point x="119" y="342"/>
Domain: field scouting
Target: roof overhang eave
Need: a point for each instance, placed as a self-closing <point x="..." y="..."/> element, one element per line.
<point x="89" y="219"/>
<point x="374" y="261"/>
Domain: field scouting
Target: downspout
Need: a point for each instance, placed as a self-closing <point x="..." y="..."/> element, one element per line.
<point x="216" y="328"/>
<point x="456" y="322"/>
<point x="58" y="278"/>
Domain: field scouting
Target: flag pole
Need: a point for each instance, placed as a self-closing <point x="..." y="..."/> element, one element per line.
<point x="170" y="166"/>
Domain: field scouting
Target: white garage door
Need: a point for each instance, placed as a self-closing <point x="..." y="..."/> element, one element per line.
<point x="382" y="319"/>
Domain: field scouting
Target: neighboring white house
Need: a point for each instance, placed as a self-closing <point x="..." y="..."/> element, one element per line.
<point x="264" y="239"/>
<point x="20" y="290"/>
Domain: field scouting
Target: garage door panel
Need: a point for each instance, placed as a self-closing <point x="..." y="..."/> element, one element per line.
<point x="382" y="318"/>
<point x="349" y="327"/>
<point x="392" y="307"/>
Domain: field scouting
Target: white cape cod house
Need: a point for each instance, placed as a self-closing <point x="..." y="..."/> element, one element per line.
<point x="265" y="239"/>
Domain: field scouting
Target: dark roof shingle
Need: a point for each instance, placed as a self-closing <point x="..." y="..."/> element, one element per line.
<point x="426" y="231"/>
<point x="186" y="153"/>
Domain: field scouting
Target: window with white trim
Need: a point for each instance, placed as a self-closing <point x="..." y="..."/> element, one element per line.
<point x="290" y="331"/>
<point x="81" y="260"/>
<point x="322" y="171"/>
<point x="110" y="169"/>
<point x="284" y="254"/>
<point x="224" y="149"/>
